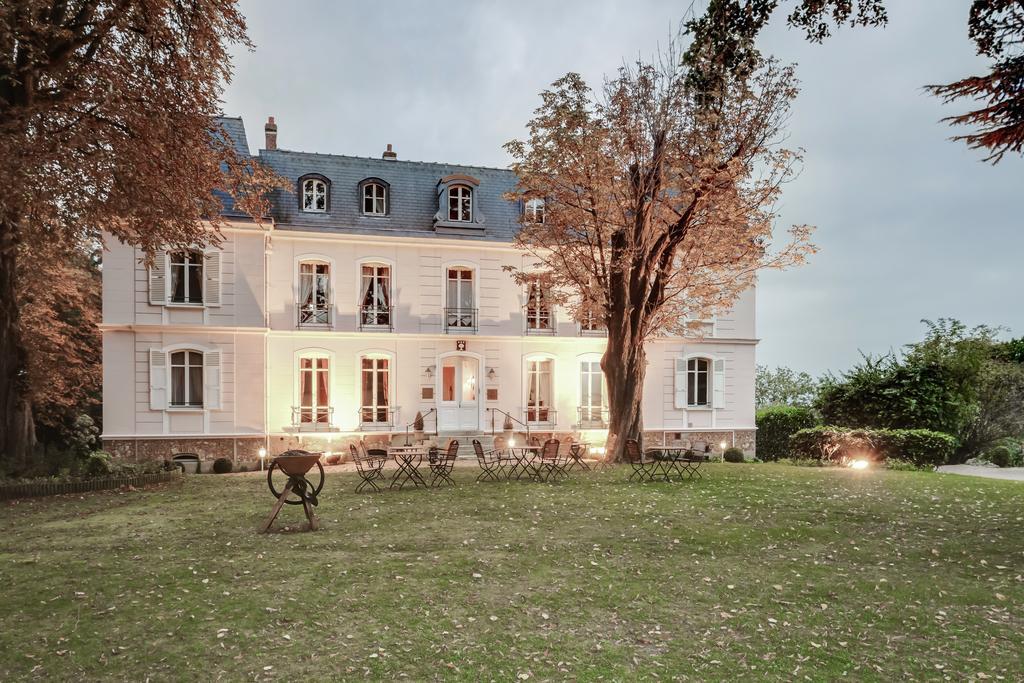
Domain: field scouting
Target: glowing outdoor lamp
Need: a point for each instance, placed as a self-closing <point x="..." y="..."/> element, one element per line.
<point x="859" y="464"/>
<point x="723" y="445"/>
<point x="262" y="452"/>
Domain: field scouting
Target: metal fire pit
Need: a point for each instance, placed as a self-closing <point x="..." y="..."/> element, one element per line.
<point x="296" y="488"/>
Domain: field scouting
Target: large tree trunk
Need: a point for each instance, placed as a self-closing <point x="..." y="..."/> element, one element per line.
<point x="17" y="434"/>
<point x="624" y="365"/>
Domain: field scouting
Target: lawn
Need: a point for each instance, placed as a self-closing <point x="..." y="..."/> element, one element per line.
<point x="760" y="571"/>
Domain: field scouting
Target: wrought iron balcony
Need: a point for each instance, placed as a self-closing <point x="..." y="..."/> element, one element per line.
<point x="376" y="418"/>
<point x="539" y="319"/>
<point x="541" y="415"/>
<point x="376" y="318"/>
<point x="313" y="418"/>
<point x="591" y="417"/>
<point x="315" y="315"/>
<point x="460" y="320"/>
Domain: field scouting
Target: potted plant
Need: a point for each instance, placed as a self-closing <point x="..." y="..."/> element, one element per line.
<point x="417" y="426"/>
<point x="507" y="427"/>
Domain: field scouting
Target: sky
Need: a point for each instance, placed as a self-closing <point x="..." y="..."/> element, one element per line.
<point x="910" y="225"/>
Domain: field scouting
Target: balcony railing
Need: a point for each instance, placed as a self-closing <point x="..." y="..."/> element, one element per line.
<point x="313" y="418"/>
<point x="314" y="315"/>
<point x="376" y="418"/>
<point x="460" y="320"/>
<point x="376" y="318"/>
<point x="592" y="417"/>
<point x="540" y="415"/>
<point x="592" y="328"/>
<point x="539" y="320"/>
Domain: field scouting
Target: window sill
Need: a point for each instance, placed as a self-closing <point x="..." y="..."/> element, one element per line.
<point x="699" y="408"/>
<point x="185" y="409"/>
<point x="184" y="304"/>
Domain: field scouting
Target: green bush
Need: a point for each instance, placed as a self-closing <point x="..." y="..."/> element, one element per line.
<point x="222" y="465"/>
<point x="99" y="464"/>
<point x="918" y="446"/>
<point x="733" y="455"/>
<point x="1006" y="453"/>
<point x="776" y="424"/>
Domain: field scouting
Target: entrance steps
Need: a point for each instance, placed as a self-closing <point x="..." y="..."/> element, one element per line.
<point x="465" y="439"/>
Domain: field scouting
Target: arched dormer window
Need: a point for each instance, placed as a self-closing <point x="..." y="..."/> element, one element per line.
<point x="460" y="203"/>
<point x="314" y="193"/>
<point x="374" y="197"/>
<point x="534" y="211"/>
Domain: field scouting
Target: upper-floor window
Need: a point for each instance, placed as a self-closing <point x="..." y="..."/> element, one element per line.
<point x="314" y="194"/>
<point x="375" y="197"/>
<point x="186" y="379"/>
<point x="460" y="203"/>
<point x="534" y="211"/>
<point x="538" y="310"/>
<point x="698" y="381"/>
<point x="314" y="293"/>
<point x="375" y="295"/>
<point x="460" y="312"/>
<point x="186" y="277"/>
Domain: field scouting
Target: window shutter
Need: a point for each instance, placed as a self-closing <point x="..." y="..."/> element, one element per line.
<point x="719" y="384"/>
<point x="211" y="277"/>
<point x="158" y="279"/>
<point x="680" y="393"/>
<point x="211" y="380"/>
<point x="157" y="379"/>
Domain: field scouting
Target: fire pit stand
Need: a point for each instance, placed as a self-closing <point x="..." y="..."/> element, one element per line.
<point x="298" y="489"/>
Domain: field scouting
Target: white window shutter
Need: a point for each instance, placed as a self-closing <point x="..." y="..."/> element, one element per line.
<point x="157" y="379"/>
<point x="680" y="393"/>
<point x="158" y="279"/>
<point x="211" y="277"/>
<point x="719" y="386"/>
<point x="211" y="380"/>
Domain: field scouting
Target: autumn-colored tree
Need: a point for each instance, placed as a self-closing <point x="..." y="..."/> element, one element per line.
<point x="106" y="123"/>
<point x="728" y="29"/>
<point x="658" y="205"/>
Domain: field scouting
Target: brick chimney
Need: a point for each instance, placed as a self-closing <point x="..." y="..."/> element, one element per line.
<point x="271" y="131"/>
<point x="389" y="154"/>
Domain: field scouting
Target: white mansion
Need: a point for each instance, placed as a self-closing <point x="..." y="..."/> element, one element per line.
<point x="374" y="293"/>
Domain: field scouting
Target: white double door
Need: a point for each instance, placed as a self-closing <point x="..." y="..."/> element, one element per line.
<point x="458" y="407"/>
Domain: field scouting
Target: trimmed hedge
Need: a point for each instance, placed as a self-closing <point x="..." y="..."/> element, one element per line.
<point x="776" y="424"/>
<point x="733" y="455"/>
<point x="919" y="446"/>
<point x="222" y="466"/>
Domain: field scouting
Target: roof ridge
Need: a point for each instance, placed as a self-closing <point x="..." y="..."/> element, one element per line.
<point x="387" y="161"/>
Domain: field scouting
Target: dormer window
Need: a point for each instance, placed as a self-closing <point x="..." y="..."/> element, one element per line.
<point x="460" y="203"/>
<point x="314" y="194"/>
<point x="373" y="194"/>
<point x="534" y="211"/>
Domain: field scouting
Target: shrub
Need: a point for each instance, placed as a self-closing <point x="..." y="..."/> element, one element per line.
<point x="918" y="446"/>
<point x="222" y="465"/>
<point x="922" y="447"/>
<point x="733" y="455"/>
<point x="333" y="459"/>
<point x="417" y="423"/>
<point x="99" y="464"/>
<point x="776" y="424"/>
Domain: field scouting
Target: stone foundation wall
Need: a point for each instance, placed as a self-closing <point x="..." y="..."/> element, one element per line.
<point x="745" y="439"/>
<point x="142" y="450"/>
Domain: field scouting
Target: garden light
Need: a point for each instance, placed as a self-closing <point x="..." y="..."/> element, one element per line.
<point x="859" y="464"/>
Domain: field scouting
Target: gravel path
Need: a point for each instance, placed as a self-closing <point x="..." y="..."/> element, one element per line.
<point x="1012" y="473"/>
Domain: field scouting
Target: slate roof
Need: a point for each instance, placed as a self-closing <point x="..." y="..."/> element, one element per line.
<point x="234" y="128"/>
<point x="413" y="194"/>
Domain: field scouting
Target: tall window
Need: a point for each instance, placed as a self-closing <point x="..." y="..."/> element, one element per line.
<point x="375" y="295"/>
<point x="314" y="293"/>
<point x="186" y="277"/>
<point x="591" y="394"/>
<point x="591" y="322"/>
<point x="374" y="199"/>
<point x="460" y="203"/>
<point x="538" y="397"/>
<point x="314" y="195"/>
<point x="375" y="402"/>
<point x="538" y="311"/>
<point x="460" y="312"/>
<point x="697" y="381"/>
<point x="535" y="211"/>
<point x="186" y="379"/>
<point x="314" y="391"/>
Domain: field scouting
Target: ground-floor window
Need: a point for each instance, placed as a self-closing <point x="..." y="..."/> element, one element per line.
<point x="187" y="379"/>
<point x="314" y="391"/>
<point x="697" y="381"/>
<point x="375" y="407"/>
<point x="539" y="391"/>
<point x="592" y="398"/>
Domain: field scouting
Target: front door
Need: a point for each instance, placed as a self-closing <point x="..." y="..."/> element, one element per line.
<point x="459" y="406"/>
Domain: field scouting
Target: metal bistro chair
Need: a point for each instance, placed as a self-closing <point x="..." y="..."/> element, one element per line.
<point x="441" y="466"/>
<point x="552" y="462"/>
<point x="491" y="465"/>
<point x="369" y="468"/>
<point x="644" y="469"/>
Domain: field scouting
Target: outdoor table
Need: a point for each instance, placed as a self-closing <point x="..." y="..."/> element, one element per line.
<point x="576" y="450"/>
<point x="408" y="459"/>
<point x="674" y="459"/>
<point x="524" y="457"/>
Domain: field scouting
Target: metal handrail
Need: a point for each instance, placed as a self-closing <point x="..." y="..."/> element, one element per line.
<point x="369" y="314"/>
<point x="539" y="319"/>
<point x="460" y="315"/>
<point x="425" y="416"/>
<point x="600" y="422"/>
<point x="314" y="315"/>
<point x="509" y="416"/>
<point x="315" y="425"/>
